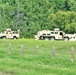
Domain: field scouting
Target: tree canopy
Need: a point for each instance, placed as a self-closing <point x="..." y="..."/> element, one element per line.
<point x="31" y="16"/>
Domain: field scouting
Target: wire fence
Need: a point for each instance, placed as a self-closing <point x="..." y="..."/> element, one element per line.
<point x="36" y="50"/>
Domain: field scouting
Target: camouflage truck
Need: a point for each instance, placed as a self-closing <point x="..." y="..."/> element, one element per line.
<point x="9" y="34"/>
<point x="56" y="34"/>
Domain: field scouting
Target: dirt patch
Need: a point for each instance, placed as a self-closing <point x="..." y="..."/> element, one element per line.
<point x="1" y="73"/>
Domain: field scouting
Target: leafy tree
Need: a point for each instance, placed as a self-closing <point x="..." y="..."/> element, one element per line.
<point x="70" y="5"/>
<point x="71" y="28"/>
<point x="31" y="16"/>
<point x="61" y="19"/>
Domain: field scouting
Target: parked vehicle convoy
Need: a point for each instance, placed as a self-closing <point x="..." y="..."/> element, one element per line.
<point x="56" y="34"/>
<point x="9" y="34"/>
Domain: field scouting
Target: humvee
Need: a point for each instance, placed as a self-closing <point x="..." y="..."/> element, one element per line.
<point x="8" y="33"/>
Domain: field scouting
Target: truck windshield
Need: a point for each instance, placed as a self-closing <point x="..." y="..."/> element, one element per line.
<point x="61" y="33"/>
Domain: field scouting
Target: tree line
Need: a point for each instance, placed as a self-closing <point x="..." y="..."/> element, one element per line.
<point x="30" y="16"/>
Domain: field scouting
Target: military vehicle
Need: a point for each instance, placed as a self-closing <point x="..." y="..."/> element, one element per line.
<point x="56" y="34"/>
<point x="9" y="34"/>
<point x="70" y="37"/>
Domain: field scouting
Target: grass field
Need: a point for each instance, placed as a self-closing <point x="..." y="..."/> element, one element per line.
<point x="42" y="64"/>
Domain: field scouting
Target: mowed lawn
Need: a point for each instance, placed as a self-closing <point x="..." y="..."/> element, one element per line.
<point x="42" y="63"/>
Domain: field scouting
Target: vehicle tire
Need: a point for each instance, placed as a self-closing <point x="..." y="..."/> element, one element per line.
<point x="66" y="39"/>
<point x="46" y="39"/>
<point x="41" y="37"/>
<point x="14" y="38"/>
<point x="52" y="38"/>
<point x="4" y="37"/>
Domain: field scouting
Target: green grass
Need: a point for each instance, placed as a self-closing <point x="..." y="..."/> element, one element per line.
<point x="42" y="64"/>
